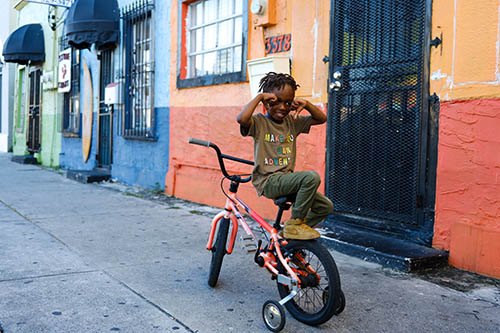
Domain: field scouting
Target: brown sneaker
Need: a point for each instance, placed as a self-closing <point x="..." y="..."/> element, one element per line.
<point x="297" y="229"/>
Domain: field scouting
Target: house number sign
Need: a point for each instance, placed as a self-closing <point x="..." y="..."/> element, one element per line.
<point x="277" y="44"/>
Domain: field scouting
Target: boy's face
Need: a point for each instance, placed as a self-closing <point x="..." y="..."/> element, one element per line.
<point x="279" y="109"/>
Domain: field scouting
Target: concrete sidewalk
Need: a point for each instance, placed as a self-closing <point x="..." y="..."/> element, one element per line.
<point x="108" y="257"/>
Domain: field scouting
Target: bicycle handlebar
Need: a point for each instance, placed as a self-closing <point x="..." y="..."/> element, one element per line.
<point x="221" y="158"/>
<point x="199" y="142"/>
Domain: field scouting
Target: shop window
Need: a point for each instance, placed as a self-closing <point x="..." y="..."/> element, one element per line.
<point x="213" y="42"/>
<point x="138" y="37"/>
<point x="71" y="108"/>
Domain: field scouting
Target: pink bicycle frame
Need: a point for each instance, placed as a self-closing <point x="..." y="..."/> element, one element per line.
<point x="232" y="213"/>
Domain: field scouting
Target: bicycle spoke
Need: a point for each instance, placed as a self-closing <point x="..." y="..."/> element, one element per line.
<point x="310" y="299"/>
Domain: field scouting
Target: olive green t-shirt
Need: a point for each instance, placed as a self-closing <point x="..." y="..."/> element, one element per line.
<point x="274" y="145"/>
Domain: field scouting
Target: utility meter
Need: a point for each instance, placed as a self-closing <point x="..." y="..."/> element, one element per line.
<point x="258" y="7"/>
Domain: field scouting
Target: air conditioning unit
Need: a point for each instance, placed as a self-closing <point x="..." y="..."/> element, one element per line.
<point x="258" y="68"/>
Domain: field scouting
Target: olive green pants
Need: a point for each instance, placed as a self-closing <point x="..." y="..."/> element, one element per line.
<point x="309" y="203"/>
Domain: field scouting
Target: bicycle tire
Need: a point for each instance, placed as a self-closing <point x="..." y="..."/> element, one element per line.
<point x="218" y="252"/>
<point x="330" y="281"/>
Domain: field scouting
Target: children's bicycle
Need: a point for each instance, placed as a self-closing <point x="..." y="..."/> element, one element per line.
<point x="306" y="274"/>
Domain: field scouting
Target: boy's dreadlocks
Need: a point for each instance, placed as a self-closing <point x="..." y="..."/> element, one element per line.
<point x="277" y="81"/>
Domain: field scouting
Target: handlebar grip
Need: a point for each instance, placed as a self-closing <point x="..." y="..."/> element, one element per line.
<point x="199" y="142"/>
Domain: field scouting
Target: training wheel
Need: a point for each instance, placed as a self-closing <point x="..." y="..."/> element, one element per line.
<point x="341" y="306"/>
<point x="273" y="314"/>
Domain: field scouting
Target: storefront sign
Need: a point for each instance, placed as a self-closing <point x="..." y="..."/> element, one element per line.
<point x="64" y="73"/>
<point x="60" y="3"/>
<point x="277" y="44"/>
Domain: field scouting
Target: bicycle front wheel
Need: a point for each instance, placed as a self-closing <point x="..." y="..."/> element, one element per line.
<point x="319" y="295"/>
<point x="218" y="252"/>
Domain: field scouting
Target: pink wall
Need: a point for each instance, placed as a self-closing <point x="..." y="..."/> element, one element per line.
<point x="468" y="184"/>
<point x="194" y="171"/>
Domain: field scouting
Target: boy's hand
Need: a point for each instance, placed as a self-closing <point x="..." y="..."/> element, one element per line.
<point x="298" y="105"/>
<point x="268" y="99"/>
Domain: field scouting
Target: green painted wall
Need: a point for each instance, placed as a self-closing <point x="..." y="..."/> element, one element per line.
<point x="50" y="100"/>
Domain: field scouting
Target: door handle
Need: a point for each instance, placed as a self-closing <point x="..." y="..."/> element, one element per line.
<point x="337" y="85"/>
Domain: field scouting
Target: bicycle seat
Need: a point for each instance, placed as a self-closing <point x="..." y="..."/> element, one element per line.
<point x="285" y="201"/>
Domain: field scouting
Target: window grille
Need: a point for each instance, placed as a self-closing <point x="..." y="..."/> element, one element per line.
<point x="214" y="37"/>
<point x="138" y="120"/>
<point x="71" y="99"/>
<point x="34" y="106"/>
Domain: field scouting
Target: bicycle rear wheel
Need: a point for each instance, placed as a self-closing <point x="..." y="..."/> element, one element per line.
<point x="319" y="295"/>
<point x="218" y="252"/>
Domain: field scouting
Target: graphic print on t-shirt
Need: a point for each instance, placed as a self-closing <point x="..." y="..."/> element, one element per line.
<point x="282" y="148"/>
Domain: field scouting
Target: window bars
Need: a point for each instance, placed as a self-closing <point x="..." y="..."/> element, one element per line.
<point x="137" y="119"/>
<point x="33" y="134"/>
<point x="71" y="99"/>
<point x="214" y="37"/>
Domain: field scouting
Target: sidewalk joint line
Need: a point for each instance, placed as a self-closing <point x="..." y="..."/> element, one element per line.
<point x="33" y="223"/>
<point x="50" y="275"/>
<point x="152" y="303"/>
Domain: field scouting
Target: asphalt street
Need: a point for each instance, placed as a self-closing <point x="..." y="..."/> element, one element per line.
<point x="109" y="257"/>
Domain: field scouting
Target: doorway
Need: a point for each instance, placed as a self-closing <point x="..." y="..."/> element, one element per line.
<point x="377" y="149"/>
<point x="105" y="116"/>
<point x="33" y="134"/>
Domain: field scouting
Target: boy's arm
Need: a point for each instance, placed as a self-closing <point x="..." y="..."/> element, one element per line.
<point x="246" y="114"/>
<point x="318" y="117"/>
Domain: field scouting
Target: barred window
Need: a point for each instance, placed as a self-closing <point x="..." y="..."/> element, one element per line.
<point x="71" y="99"/>
<point x="138" y="42"/>
<point x="213" y="46"/>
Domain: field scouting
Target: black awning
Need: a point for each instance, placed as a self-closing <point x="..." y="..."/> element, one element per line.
<point x="25" y="44"/>
<point x="93" y="21"/>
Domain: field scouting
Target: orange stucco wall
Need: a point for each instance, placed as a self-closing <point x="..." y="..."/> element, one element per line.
<point x="464" y="72"/>
<point x="465" y="75"/>
<point x="209" y="113"/>
<point x="468" y="185"/>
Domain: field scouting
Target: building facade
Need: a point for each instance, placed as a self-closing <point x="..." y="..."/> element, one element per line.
<point x="34" y="110"/>
<point x="127" y="137"/>
<point x="464" y="73"/>
<point x="409" y="150"/>
<point x="6" y="83"/>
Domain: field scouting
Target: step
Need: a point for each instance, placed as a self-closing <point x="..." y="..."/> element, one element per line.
<point x="382" y="249"/>
<point x="24" y="159"/>
<point x="88" y="176"/>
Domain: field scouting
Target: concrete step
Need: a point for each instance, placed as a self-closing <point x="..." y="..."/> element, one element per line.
<point x="88" y="176"/>
<point x="382" y="249"/>
<point x="24" y="159"/>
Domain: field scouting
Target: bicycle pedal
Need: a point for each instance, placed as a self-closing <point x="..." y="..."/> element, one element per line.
<point x="249" y="247"/>
<point x="248" y="243"/>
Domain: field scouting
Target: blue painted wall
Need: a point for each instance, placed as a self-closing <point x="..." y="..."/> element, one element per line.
<point x="134" y="162"/>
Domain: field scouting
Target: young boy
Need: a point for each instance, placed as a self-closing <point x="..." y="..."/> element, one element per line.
<point x="275" y="137"/>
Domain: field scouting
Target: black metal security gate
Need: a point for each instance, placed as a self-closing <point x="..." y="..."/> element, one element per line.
<point x="105" y="112"/>
<point x="33" y="133"/>
<point x="378" y="114"/>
